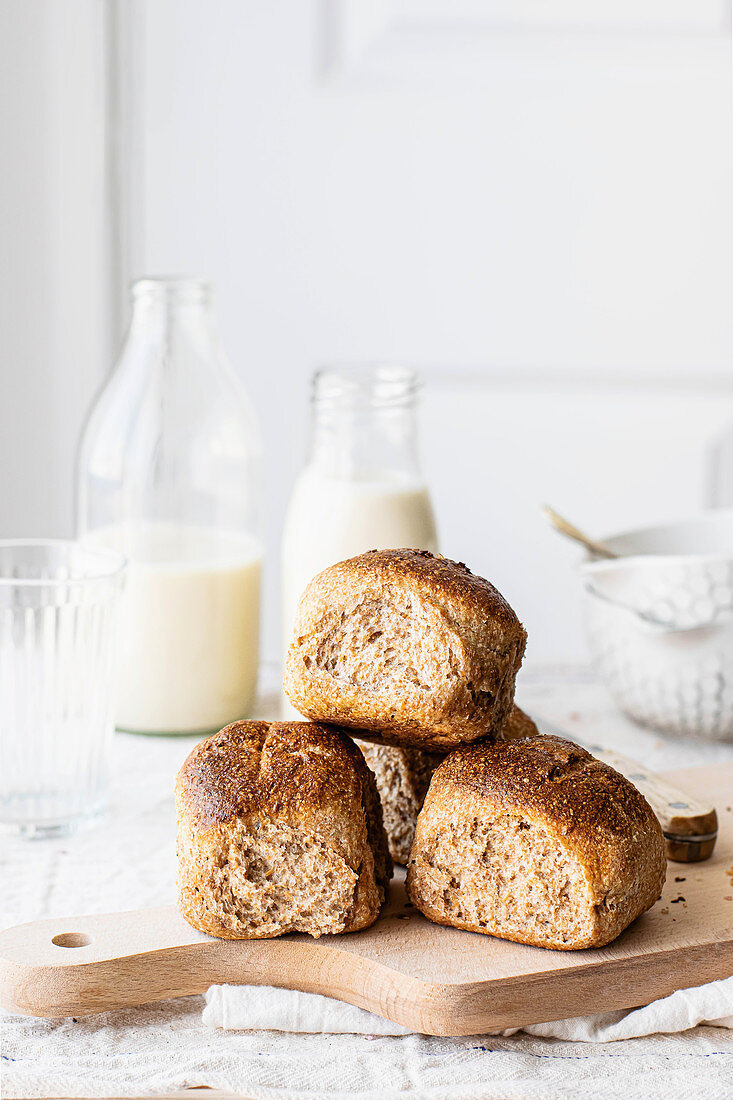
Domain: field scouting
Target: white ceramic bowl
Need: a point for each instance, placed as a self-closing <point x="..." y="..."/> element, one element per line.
<point x="660" y="624"/>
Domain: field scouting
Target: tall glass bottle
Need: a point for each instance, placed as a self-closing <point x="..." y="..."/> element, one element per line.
<point x="169" y="473"/>
<point x="362" y="487"/>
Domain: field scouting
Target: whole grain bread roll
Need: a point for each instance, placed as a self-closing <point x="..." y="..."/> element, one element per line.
<point x="408" y="648"/>
<point x="403" y="776"/>
<point x="279" y="830"/>
<point x="535" y="841"/>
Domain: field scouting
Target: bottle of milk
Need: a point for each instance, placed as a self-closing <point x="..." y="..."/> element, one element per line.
<point x="361" y="487"/>
<point x="168" y="473"/>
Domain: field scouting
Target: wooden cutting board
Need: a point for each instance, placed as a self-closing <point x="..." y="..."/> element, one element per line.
<point x="435" y="980"/>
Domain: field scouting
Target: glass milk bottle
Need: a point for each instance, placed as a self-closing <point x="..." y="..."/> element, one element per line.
<point x="168" y="473"/>
<point x="361" y="487"/>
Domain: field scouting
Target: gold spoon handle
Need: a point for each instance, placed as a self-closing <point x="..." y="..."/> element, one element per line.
<point x="571" y="532"/>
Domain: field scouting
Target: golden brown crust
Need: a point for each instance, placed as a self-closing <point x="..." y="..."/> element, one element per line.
<point x="297" y="798"/>
<point x="408" y="648"/>
<point x="249" y="766"/>
<point x="444" y="579"/>
<point x="553" y="777"/>
<point x="584" y="810"/>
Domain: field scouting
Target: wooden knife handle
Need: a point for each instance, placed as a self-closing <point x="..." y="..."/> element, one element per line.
<point x="690" y="826"/>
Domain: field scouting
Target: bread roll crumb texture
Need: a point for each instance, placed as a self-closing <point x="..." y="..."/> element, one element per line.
<point x="535" y="841"/>
<point x="409" y="648"/>
<point x="279" y="830"/>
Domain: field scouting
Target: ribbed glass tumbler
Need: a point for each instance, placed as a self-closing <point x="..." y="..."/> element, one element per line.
<point x="58" y="607"/>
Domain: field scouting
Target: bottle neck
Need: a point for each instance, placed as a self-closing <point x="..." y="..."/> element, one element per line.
<point x="364" y="424"/>
<point x="165" y="308"/>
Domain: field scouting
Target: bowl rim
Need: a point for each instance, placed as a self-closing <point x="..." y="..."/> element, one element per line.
<point x="709" y="516"/>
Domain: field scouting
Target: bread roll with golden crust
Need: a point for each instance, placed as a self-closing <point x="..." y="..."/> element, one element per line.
<point x="535" y="841"/>
<point x="408" y="648"/>
<point x="279" y="830"/>
<point x="403" y="777"/>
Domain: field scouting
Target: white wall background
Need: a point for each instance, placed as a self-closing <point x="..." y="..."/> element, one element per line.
<point x="529" y="201"/>
<point x="55" y="292"/>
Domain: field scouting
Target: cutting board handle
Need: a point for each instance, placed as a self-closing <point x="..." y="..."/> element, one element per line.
<point x="75" y="966"/>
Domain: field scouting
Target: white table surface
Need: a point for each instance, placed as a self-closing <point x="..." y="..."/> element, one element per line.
<point x="128" y="862"/>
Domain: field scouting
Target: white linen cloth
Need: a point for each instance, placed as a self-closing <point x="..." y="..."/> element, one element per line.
<point x="256" y="1008"/>
<point x="265" y="1008"/>
<point x="129" y="862"/>
<point x="163" y="1048"/>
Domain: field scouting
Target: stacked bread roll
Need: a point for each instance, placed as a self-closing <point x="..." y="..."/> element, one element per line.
<point x="520" y="836"/>
<point x="418" y="655"/>
<point x="412" y="658"/>
<point x="279" y="830"/>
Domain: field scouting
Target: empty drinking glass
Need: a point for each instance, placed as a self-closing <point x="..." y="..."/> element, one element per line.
<point x="58" y="603"/>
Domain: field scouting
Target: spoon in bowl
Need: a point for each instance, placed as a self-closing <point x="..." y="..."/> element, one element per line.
<point x="598" y="549"/>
